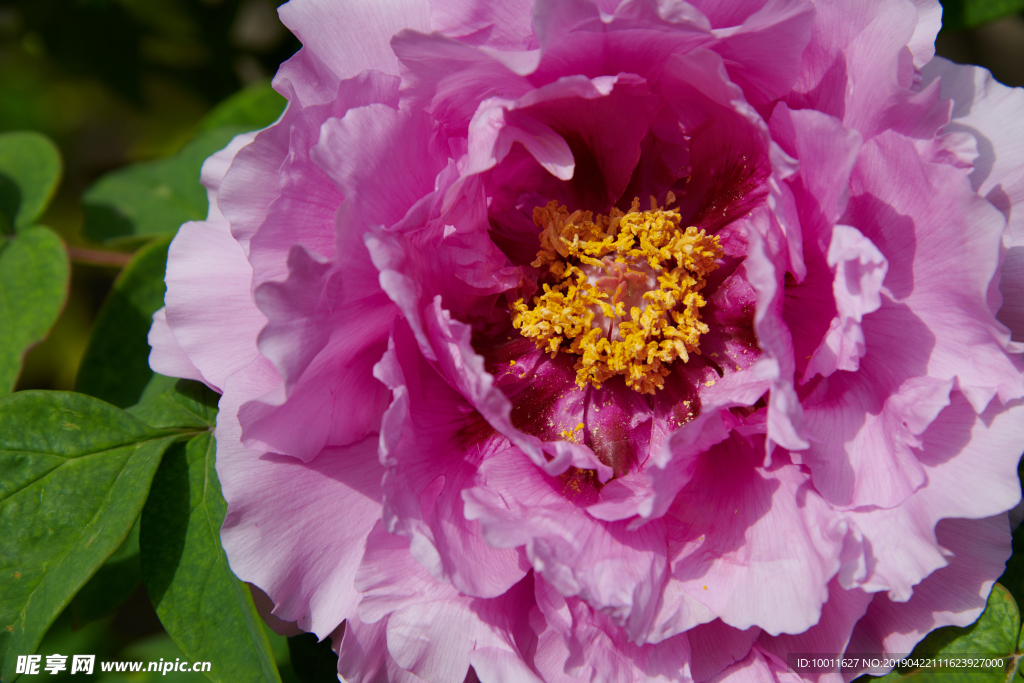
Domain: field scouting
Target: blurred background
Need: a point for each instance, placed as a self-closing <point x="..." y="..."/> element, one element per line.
<point x="117" y="82"/>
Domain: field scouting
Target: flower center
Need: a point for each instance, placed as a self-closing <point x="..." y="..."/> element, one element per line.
<point x="627" y="291"/>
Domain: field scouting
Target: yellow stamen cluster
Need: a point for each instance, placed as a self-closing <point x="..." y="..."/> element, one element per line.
<point x="643" y="258"/>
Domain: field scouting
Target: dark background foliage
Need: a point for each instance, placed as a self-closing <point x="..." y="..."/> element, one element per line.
<point x="117" y="82"/>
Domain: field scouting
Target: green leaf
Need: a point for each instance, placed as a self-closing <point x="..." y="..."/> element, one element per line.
<point x="114" y="583"/>
<point x="74" y="474"/>
<point x="206" y="610"/>
<point x="251" y="108"/>
<point x="170" y="403"/>
<point x="962" y="14"/>
<point x="155" y="197"/>
<point x="30" y="170"/>
<point x="34" y="272"/>
<point x="995" y="633"/>
<point x="115" y="366"/>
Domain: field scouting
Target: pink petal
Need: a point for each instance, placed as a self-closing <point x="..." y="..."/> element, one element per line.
<point x="209" y="307"/>
<point x="283" y="530"/>
<point x="421" y="444"/>
<point x="954" y="595"/>
<point x="619" y="571"/>
<point x="166" y="356"/>
<point x="432" y="629"/>
<point x="738" y="527"/>
<point x="357" y="39"/>
<point x="970" y="463"/>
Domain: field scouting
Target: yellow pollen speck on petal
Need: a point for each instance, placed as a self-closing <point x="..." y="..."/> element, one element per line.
<point x="627" y="292"/>
<point x="573" y="435"/>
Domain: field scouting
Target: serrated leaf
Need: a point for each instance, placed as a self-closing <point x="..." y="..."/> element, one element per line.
<point x="30" y="170"/>
<point x="74" y="474"/>
<point x="172" y="403"/>
<point x="994" y="634"/>
<point x="256" y="106"/>
<point x="206" y="610"/>
<point x="155" y="197"/>
<point x="34" y="272"/>
<point x="962" y="14"/>
<point x="115" y="366"/>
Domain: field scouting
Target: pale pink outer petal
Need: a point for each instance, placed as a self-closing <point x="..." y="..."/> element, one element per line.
<point x="166" y="356"/>
<point x="207" y="278"/>
<point x="859" y="67"/>
<point x="295" y="530"/>
<point x="951" y="230"/>
<point x="363" y="655"/>
<point x="987" y="110"/>
<point x="970" y="463"/>
<point x="358" y="38"/>
<point x="384" y="161"/>
<point x="304" y="198"/>
<point x="929" y="21"/>
<point x="954" y="595"/>
<point x="209" y="307"/>
<point x="275" y="174"/>
<point x="451" y="79"/>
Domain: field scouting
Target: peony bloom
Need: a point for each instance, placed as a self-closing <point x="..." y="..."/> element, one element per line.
<point x="648" y="341"/>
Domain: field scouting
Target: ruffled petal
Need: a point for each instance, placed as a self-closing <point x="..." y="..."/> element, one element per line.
<point x="576" y="641"/>
<point x="324" y="345"/>
<point x="209" y="307"/>
<point x="295" y="530"/>
<point x="166" y="355"/>
<point x="357" y="39"/>
<point x="970" y="464"/>
<point x="424" y="446"/>
<point x="954" y="595"/>
<point x="729" y="523"/>
<point x="618" y="571"/>
<point x="432" y="630"/>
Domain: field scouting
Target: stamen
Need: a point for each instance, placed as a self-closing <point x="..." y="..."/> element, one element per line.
<point x="627" y="292"/>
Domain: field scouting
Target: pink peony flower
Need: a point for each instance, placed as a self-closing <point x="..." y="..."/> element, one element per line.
<point x="648" y="341"/>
